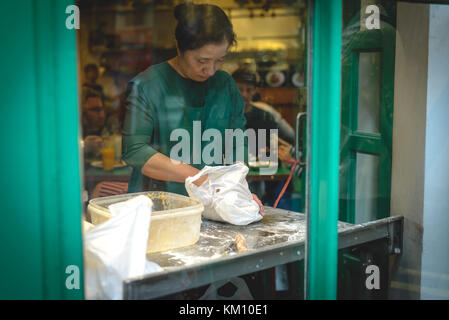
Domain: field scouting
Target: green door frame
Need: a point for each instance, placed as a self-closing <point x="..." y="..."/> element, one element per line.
<point x="354" y="141"/>
<point x="39" y="127"/>
<point x="323" y="155"/>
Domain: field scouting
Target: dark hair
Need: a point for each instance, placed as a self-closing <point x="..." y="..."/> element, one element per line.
<point x="244" y="75"/>
<point x="90" y="67"/>
<point x="201" y="24"/>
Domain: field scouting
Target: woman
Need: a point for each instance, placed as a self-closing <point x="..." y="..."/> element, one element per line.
<point x="178" y="93"/>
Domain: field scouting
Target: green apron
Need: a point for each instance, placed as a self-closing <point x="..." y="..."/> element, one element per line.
<point x="162" y="106"/>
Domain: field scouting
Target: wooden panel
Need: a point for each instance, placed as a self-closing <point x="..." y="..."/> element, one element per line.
<point x="283" y="95"/>
<point x="288" y="113"/>
<point x="285" y="100"/>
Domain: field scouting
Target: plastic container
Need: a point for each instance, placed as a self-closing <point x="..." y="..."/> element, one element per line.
<point x="175" y="220"/>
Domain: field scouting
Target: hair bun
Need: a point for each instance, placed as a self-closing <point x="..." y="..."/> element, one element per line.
<point x="181" y="11"/>
<point x="199" y="24"/>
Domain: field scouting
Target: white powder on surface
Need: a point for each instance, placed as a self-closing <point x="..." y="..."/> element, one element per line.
<point x="189" y="260"/>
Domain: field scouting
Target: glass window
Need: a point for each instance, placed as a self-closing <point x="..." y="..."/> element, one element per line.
<point x="367" y="184"/>
<point x="369" y="97"/>
<point x="142" y="88"/>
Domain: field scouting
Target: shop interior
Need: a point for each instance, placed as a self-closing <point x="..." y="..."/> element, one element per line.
<point x="120" y="39"/>
<point x="124" y="37"/>
<point x="360" y="211"/>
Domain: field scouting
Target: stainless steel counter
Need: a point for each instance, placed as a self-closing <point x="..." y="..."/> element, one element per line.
<point x="277" y="239"/>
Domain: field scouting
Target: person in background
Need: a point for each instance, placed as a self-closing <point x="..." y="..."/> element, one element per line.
<point x="173" y="94"/>
<point x="286" y="132"/>
<point x="108" y="81"/>
<point x="256" y="118"/>
<point x="91" y="75"/>
<point x="106" y="86"/>
<point x="263" y="118"/>
<point x="93" y="120"/>
<point x="93" y="117"/>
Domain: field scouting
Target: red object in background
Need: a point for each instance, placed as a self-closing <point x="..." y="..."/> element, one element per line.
<point x="294" y="162"/>
<point x="109" y="188"/>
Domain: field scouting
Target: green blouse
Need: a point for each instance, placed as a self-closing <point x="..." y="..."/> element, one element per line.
<point x="160" y="101"/>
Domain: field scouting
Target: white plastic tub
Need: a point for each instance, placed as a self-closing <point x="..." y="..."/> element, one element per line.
<point x="175" y="221"/>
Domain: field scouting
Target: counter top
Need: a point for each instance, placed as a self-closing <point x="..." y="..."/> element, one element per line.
<point x="277" y="227"/>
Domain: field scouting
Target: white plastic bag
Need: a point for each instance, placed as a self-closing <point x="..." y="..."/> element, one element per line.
<point x="116" y="249"/>
<point x="225" y="194"/>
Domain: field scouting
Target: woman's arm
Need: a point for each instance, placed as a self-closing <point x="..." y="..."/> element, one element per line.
<point x="161" y="167"/>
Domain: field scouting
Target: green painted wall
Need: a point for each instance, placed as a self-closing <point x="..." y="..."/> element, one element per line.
<point x="40" y="187"/>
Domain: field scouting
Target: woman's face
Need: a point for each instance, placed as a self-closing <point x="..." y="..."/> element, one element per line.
<point x="202" y="63"/>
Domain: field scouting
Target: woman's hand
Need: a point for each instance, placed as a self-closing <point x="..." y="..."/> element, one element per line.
<point x="261" y="211"/>
<point x="198" y="182"/>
